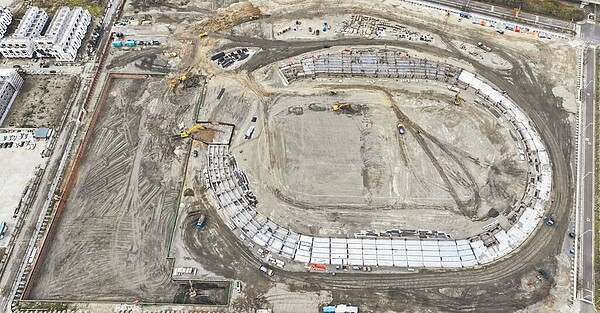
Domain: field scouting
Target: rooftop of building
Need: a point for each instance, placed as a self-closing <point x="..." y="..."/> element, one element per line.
<point x="32" y="18"/>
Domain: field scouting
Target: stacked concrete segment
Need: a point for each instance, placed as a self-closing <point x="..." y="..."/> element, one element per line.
<point x="529" y="212"/>
<point x="387" y="64"/>
<point x="230" y="191"/>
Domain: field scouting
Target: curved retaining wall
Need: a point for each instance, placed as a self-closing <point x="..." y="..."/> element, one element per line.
<point x="237" y="202"/>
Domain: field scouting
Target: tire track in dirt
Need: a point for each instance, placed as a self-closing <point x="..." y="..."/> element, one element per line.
<point x="467" y="208"/>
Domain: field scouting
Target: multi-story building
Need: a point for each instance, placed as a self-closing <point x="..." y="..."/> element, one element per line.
<point x="65" y="34"/>
<point x="10" y="84"/>
<point x="5" y="20"/>
<point x="20" y="44"/>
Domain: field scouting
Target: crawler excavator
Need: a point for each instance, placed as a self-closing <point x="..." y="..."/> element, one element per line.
<point x="190" y="131"/>
<point x="178" y="80"/>
<point x="338" y="107"/>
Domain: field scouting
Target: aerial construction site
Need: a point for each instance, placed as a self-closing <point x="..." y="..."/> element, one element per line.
<point x="286" y="156"/>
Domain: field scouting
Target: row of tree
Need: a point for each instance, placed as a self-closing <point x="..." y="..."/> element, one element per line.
<point x="550" y="8"/>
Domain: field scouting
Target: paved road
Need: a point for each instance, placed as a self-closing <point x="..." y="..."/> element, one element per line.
<point x="587" y="187"/>
<point x="488" y="9"/>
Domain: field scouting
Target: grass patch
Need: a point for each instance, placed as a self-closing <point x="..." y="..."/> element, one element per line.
<point x="94" y="6"/>
<point x="551" y="8"/>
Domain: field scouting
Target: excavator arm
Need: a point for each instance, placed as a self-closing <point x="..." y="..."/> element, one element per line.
<point x="190" y="131"/>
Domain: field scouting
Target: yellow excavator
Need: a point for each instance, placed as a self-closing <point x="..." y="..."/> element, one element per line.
<point x="458" y="99"/>
<point x="178" y="80"/>
<point x="338" y="107"/>
<point x="190" y="131"/>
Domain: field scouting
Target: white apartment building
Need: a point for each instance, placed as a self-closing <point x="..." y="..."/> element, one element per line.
<point x="5" y="20"/>
<point x="10" y="84"/>
<point x="20" y="44"/>
<point x="65" y="34"/>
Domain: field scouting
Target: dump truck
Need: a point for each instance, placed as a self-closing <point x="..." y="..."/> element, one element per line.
<point x="458" y="99"/>
<point x="551" y="219"/>
<point x="401" y="129"/>
<point x="200" y="222"/>
<point x="267" y="271"/>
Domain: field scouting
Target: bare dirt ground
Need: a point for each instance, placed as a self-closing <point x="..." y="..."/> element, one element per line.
<point x="41" y="102"/>
<point x="539" y="76"/>
<point x="550" y="113"/>
<point x="353" y="170"/>
<point x="115" y="225"/>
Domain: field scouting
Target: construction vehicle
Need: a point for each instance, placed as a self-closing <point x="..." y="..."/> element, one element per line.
<point x="517" y="11"/>
<point x="317" y="267"/>
<point x="401" y="129"/>
<point x="182" y="78"/>
<point x="551" y="219"/>
<point x="338" y="107"/>
<point x="190" y="131"/>
<point x="267" y="271"/>
<point x="484" y="47"/>
<point x="57" y="198"/>
<point x="200" y="222"/>
<point x="176" y="81"/>
<point x="192" y="292"/>
<point x="544" y="273"/>
<point x="202" y="34"/>
<point x="458" y="99"/>
<point x="446" y="15"/>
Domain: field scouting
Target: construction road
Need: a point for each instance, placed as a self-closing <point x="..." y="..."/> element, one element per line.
<point x="587" y="183"/>
<point x="537" y="252"/>
<point x="483" y="294"/>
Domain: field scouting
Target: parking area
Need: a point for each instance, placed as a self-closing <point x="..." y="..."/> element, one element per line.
<point x="234" y="58"/>
<point x="20" y="162"/>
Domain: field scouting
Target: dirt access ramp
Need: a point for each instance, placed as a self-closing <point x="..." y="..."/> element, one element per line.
<point x="235" y="14"/>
